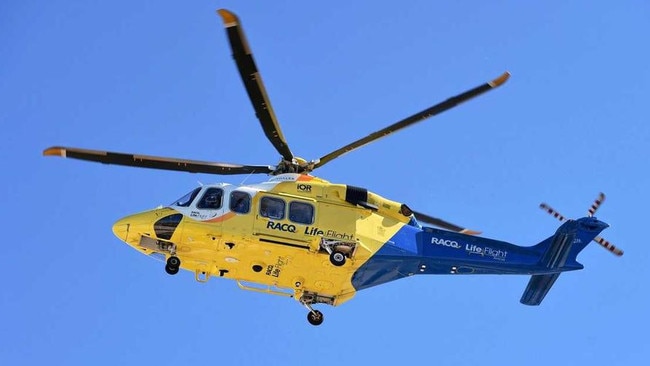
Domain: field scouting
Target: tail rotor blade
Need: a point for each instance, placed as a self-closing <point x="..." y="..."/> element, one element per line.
<point x="551" y="211"/>
<point x="609" y="246"/>
<point x="594" y="207"/>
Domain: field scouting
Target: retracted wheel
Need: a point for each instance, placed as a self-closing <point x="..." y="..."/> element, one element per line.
<point x="337" y="258"/>
<point x="171" y="270"/>
<point x="173" y="265"/>
<point x="173" y="262"/>
<point x="315" y="317"/>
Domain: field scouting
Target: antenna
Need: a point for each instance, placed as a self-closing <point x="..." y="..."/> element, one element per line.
<point x="245" y="179"/>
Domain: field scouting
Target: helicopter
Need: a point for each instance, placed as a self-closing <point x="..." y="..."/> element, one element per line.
<point x="300" y="236"/>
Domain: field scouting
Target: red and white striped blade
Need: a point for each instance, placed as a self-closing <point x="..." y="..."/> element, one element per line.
<point x="594" y="207"/>
<point x="609" y="246"/>
<point x="552" y="212"/>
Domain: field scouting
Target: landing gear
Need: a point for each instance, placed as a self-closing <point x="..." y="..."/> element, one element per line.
<point x="173" y="265"/>
<point x="171" y="270"/>
<point x="315" y="317"/>
<point x="338" y="250"/>
<point x="337" y="258"/>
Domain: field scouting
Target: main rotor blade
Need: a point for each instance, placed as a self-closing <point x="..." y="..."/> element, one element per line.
<point x="418" y="117"/>
<point x="155" y="162"/>
<point x="253" y="83"/>
<point x="443" y="224"/>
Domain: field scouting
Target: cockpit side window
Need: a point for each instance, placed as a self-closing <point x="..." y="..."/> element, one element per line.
<point x="273" y="208"/>
<point x="240" y="202"/>
<point x="301" y="213"/>
<point x="187" y="199"/>
<point x="212" y="199"/>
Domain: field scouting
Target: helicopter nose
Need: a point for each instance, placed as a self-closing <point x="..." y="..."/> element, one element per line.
<point x="125" y="226"/>
<point x="121" y="229"/>
<point x="130" y="228"/>
<point x="158" y="223"/>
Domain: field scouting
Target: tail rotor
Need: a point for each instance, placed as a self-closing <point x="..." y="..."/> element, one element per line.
<point x="597" y="202"/>
<point x="609" y="246"/>
<point x="551" y="211"/>
<point x="592" y="210"/>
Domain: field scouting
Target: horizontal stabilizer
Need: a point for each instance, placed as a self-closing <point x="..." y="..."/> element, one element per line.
<point x="537" y="288"/>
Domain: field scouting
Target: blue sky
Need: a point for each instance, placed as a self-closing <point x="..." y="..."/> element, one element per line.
<point x="156" y="77"/>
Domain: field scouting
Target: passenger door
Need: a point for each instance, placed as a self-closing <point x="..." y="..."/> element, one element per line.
<point x="285" y="219"/>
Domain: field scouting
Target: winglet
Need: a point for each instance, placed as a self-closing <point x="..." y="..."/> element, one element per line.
<point x="229" y="18"/>
<point x="54" y="151"/>
<point x="500" y="80"/>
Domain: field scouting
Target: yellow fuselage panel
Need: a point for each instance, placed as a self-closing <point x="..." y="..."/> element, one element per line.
<point x="280" y="253"/>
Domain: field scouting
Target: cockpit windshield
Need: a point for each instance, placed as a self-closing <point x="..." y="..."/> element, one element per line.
<point x="187" y="199"/>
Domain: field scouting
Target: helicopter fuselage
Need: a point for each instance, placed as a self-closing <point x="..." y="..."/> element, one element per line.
<point x="214" y="234"/>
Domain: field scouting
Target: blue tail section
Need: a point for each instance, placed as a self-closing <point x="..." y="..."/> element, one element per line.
<point x="538" y="287"/>
<point x="560" y="252"/>
<point x="419" y="251"/>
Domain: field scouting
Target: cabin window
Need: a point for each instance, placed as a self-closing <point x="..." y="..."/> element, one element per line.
<point x="273" y="208"/>
<point x="187" y="199"/>
<point x="240" y="202"/>
<point x="301" y="213"/>
<point x="211" y="199"/>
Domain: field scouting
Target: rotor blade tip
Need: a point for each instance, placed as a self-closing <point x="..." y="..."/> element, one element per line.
<point x="227" y="16"/>
<point x="54" y="151"/>
<point x="470" y="232"/>
<point x="500" y="80"/>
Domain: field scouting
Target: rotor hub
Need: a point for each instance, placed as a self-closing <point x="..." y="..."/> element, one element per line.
<point x="296" y="165"/>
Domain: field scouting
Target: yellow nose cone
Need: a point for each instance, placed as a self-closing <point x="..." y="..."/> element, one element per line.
<point x="121" y="229"/>
<point x="129" y="228"/>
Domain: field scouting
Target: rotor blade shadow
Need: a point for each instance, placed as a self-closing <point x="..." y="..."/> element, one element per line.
<point x="443" y="224"/>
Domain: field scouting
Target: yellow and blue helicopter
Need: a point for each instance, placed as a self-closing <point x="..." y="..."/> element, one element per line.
<point x="300" y="236"/>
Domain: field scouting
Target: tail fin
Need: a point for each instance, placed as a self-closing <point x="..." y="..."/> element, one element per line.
<point x="558" y="254"/>
<point x="538" y="287"/>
